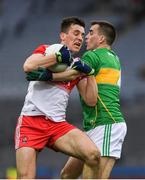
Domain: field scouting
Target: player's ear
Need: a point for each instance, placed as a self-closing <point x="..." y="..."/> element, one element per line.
<point x="102" y="38"/>
<point x="62" y="36"/>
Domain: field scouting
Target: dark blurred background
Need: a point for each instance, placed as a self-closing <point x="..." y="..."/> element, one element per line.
<point x="25" y="24"/>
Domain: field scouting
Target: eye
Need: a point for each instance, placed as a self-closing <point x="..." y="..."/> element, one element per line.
<point x="83" y="34"/>
<point x="76" y="33"/>
<point x="91" y="32"/>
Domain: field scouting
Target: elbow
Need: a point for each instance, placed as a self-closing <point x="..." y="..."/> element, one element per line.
<point x="27" y="67"/>
<point x="91" y="103"/>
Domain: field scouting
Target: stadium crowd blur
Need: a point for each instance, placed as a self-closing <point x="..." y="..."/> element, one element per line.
<point x="25" y="24"/>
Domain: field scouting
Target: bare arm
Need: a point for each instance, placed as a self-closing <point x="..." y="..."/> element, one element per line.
<point x="67" y="75"/>
<point x="43" y="74"/>
<point x="87" y="88"/>
<point x="38" y="60"/>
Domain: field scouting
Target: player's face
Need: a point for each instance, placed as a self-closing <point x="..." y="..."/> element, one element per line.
<point x="73" y="39"/>
<point x="93" y="38"/>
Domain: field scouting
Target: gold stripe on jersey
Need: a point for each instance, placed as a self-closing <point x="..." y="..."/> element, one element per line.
<point x="108" y="76"/>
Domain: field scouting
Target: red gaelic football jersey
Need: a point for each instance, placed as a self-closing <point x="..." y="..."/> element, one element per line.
<point x="47" y="98"/>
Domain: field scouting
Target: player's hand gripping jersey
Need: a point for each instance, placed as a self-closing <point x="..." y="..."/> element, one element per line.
<point x="47" y="98"/>
<point x="108" y="78"/>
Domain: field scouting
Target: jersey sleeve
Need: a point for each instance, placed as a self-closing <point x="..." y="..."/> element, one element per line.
<point x="40" y="49"/>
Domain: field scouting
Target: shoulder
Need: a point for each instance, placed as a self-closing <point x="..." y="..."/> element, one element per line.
<point x="40" y="49"/>
<point x="90" y="55"/>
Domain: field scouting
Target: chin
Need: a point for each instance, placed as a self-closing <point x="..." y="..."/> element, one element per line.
<point x="76" y="50"/>
<point x="89" y="48"/>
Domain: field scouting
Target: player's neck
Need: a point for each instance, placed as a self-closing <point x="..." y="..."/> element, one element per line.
<point x="104" y="46"/>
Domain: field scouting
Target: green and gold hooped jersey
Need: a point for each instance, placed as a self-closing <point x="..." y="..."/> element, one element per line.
<point x="108" y="78"/>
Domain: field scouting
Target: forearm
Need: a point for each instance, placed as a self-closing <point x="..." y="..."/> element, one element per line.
<point x="88" y="90"/>
<point x="91" y="91"/>
<point x="35" y="61"/>
<point x="66" y="75"/>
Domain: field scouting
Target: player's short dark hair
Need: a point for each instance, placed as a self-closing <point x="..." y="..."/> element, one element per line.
<point x="107" y="29"/>
<point x="68" y="21"/>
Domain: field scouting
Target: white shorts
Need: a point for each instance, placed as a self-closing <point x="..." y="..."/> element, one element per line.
<point x="109" y="138"/>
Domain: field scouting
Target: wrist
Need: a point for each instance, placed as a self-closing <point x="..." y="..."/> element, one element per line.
<point x="45" y="75"/>
<point x="91" y="73"/>
<point x="58" y="57"/>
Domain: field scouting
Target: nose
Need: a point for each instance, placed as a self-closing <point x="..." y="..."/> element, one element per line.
<point x="81" y="37"/>
<point x="86" y="36"/>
